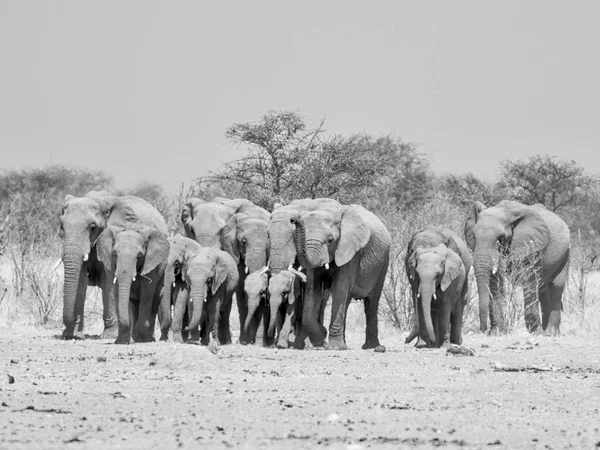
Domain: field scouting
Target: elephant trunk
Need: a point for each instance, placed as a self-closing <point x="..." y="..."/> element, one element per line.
<point x="253" y="302"/>
<point x="73" y="255"/>
<point x="426" y="293"/>
<point x="310" y="317"/>
<point x="309" y="251"/>
<point x="198" y="294"/>
<point x="124" y="279"/>
<point x="274" y="304"/>
<point x="483" y="270"/>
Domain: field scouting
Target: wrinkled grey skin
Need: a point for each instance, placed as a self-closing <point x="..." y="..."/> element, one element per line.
<point x="176" y="292"/>
<point x="255" y="288"/>
<point x="437" y="265"/>
<point x="355" y="244"/>
<point x="246" y="239"/>
<point x="135" y="257"/>
<point x="82" y="220"/>
<point x="512" y="227"/>
<point x="224" y="224"/>
<point x="285" y="301"/>
<point x="212" y="278"/>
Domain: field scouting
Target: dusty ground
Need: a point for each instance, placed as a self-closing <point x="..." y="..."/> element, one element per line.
<point x="93" y="394"/>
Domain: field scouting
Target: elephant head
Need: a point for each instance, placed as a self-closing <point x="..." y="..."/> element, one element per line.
<point x="331" y="235"/>
<point x="284" y="286"/>
<point x="127" y="253"/>
<point x="255" y="287"/>
<point x="204" y="221"/>
<point x="282" y="253"/>
<point x="494" y="232"/>
<point x="181" y="249"/>
<point x="206" y="272"/>
<point x="81" y="219"/>
<point x="432" y="270"/>
<point x="246" y="239"/>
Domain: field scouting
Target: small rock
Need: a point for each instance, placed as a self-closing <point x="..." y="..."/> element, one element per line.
<point x="333" y="417"/>
<point x="101" y="359"/>
<point x="11" y="379"/>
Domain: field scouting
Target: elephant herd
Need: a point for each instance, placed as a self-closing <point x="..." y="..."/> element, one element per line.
<point x="283" y="266"/>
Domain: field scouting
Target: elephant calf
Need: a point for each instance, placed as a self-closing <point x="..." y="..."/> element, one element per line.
<point x="437" y="264"/>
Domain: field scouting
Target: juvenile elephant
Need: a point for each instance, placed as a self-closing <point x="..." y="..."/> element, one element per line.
<point x="256" y="292"/>
<point x="212" y="277"/>
<point x="346" y="248"/>
<point x="176" y="292"/>
<point x="134" y="257"/>
<point x="246" y="239"/>
<point x="285" y="300"/>
<point x="511" y="228"/>
<point x="437" y="264"/>
<point x="82" y="219"/>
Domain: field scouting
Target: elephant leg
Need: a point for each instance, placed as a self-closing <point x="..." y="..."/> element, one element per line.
<point x="242" y="305"/>
<point x="180" y="315"/>
<point x="415" y="327"/>
<point x="339" y="305"/>
<point x="456" y="321"/>
<point x="109" y="311"/>
<point x="77" y="331"/>
<point x="211" y="316"/>
<point x="144" y="325"/>
<point x="371" y="304"/>
<point x="224" y="332"/>
<point x="554" y="305"/>
<point x="286" y="329"/>
<point x="496" y="296"/>
<point x="444" y="316"/>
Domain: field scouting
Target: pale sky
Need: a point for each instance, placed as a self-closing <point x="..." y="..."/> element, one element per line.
<point x="146" y="89"/>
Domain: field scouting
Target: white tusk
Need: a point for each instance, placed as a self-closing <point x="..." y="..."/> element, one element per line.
<point x="247" y="270"/>
<point x="418" y="295"/>
<point x="264" y="270"/>
<point x="133" y="279"/>
<point x="299" y="268"/>
<point x="326" y="266"/>
<point x="55" y="266"/>
<point x="173" y="284"/>
<point x="204" y="299"/>
<point x="494" y="269"/>
<point x="115" y="280"/>
<point x="434" y="297"/>
<point x="291" y="267"/>
<point x="86" y="257"/>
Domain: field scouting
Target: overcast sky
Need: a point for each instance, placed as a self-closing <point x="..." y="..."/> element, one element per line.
<point x="145" y="89"/>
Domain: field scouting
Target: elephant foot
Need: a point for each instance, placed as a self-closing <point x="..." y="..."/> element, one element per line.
<point x="225" y="338"/>
<point x="336" y="344"/>
<point x="144" y="339"/>
<point x="494" y="331"/>
<point x="110" y="332"/>
<point x="552" y="330"/>
<point x="124" y="341"/>
<point x="372" y="344"/>
<point x="164" y="336"/>
<point x="177" y="337"/>
<point x="282" y="344"/>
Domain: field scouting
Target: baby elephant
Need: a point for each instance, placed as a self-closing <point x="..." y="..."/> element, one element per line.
<point x="438" y="263"/>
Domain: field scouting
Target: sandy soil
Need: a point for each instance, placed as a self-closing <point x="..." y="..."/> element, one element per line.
<point x="94" y="394"/>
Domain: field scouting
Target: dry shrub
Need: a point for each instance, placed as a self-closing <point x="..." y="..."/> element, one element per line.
<point x="43" y="297"/>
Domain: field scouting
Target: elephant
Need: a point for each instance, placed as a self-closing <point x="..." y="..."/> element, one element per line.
<point x="256" y="292"/>
<point x="82" y="220"/>
<point x="437" y="264"/>
<point x="230" y="225"/>
<point x="347" y="249"/>
<point x="176" y="292"/>
<point x="212" y="278"/>
<point x="134" y="256"/>
<point x="285" y="293"/>
<point x="527" y="231"/>
<point x="245" y="237"/>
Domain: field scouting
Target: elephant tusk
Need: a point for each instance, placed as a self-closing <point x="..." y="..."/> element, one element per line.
<point x="434" y="297"/>
<point x="290" y="267"/>
<point x="115" y="280"/>
<point x="247" y="270"/>
<point x="86" y="257"/>
<point x="265" y="270"/>
<point x="326" y="266"/>
<point x="299" y="268"/>
<point x="494" y="269"/>
<point x="133" y="279"/>
<point x="55" y="266"/>
<point x="173" y="284"/>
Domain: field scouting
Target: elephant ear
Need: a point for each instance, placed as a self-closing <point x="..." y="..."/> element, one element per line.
<point x="121" y="213"/>
<point x="104" y="247"/>
<point x="453" y="268"/>
<point x="157" y="251"/>
<point x="228" y="236"/>
<point x="354" y="235"/>
<point x="530" y="232"/>
<point x="470" y="223"/>
<point x="221" y="273"/>
<point x="187" y="213"/>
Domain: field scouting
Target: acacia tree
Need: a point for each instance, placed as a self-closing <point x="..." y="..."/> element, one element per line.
<point x="557" y="184"/>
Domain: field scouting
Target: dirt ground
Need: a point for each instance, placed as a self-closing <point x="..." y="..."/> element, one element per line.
<point x="94" y="394"/>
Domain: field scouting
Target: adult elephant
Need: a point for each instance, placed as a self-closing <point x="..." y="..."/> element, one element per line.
<point x="135" y="257"/>
<point x="82" y="219"/>
<point x="437" y="264"/>
<point x="533" y="232"/>
<point x="348" y="249"/>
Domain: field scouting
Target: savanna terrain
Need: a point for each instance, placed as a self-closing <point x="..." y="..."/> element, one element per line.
<point x="518" y="391"/>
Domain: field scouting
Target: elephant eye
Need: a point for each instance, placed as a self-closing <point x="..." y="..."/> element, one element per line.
<point x="209" y="281"/>
<point x="244" y="241"/>
<point x="330" y="239"/>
